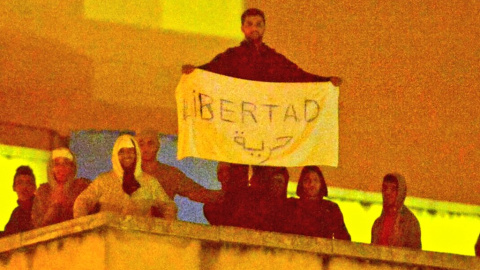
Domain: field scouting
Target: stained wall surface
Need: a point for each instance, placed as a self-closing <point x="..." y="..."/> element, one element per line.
<point x="107" y="241"/>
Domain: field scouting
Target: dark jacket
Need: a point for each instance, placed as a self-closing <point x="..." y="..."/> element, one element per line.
<point x="21" y="218"/>
<point x="263" y="64"/>
<point x="320" y="218"/>
<point x="252" y="207"/>
<point x="315" y="217"/>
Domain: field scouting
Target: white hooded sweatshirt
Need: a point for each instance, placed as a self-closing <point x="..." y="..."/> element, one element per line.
<point x="106" y="190"/>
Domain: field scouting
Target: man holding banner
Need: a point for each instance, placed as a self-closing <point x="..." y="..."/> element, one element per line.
<point x="255" y="61"/>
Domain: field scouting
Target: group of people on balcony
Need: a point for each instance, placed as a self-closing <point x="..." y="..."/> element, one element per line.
<point x="258" y="203"/>
<point x="140" y="185"/>
<point x="261" y="203"/>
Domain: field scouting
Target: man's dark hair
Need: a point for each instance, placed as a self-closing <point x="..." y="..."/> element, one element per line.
<point x="24" y="170"/>
<point x="390" y="178"/>
<point x="315" y="169"/>
<point x="252" y="12"/>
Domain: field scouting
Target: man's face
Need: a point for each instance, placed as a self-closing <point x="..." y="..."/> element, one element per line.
<point x="312" y="185"/>
<point x="63" y="169"/>
<point x="127" y="157"/>
<point x="24" y="187"/>
<point x="149" y="147"/>
<point x="253" y="28"/>
<point x="389" y="193"/>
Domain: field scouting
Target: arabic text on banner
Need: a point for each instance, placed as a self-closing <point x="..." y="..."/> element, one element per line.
<point x="248" y="122"/>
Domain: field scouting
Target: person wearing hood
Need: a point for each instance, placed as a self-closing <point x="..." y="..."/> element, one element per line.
<point x="24" y="185"/>
<point x="312" y="215"/>
<point x="397" y="225"/>
<point x="54" y="200"/>
<point x="126" y="189"/>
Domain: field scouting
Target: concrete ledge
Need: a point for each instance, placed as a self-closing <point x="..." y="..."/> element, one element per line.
<point x="110" y="241"/>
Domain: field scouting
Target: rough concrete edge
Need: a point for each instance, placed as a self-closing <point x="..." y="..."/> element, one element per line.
<point x="405" y="256"/>
<point x="324" y="247"/>
<point x="55" y="231"/>
<point x="240" y="236"/>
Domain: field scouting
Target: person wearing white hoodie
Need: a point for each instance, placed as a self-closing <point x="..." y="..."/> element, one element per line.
<point x="126" y="189"/>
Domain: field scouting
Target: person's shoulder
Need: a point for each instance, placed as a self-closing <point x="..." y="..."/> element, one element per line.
<point x="42" y="194"/>
<point x="406" y="213"/>
<point x="377" y="223"/>
<point x="43" y="190"/>
<point x="15" y="212"/>
<point x="148" y="180"/>
<point x="229" y="53"/>
<point x="105" y="178"/>
<point x="79" y="184"/>
<point x="271" y="51"/>
<point x="147" y="177"/>
<point x="330" y="205"/>
<point x="104" y="175"/>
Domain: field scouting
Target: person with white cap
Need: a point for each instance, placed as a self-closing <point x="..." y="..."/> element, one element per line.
<point x="54" y="200"/>
<point x="126" y="189"/>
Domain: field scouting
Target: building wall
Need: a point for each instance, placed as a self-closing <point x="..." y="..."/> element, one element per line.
<point x="407" y="104"/>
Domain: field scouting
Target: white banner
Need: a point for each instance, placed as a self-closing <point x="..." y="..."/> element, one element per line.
<point x="261" y="123"/>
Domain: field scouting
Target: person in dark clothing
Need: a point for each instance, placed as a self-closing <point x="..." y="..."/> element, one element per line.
<point x="254" y="60"/>
<point x="223" y="213"/>
<point x="267" y="210"/>
<point x="477" y="247"/>
<point x="25" y="186"/>
<point x="312" y="214"/>
<point x="260" y="206"/>
<point x="397" y="226"/>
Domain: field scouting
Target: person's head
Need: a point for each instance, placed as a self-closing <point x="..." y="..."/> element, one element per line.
<point x="63" y="165"/>
<point x="278" y="182"/>
<point x="260" y="178"/>
<point x="126" y="156"/>
<point x="311" y="184"/>
<point x="149" y="144"/>
<point x="24" y="183"/>
<point x="389" y="190"/>
<point x="253" y="24"/>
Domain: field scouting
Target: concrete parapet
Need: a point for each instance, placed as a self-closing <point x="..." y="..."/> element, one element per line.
<point x="109" y="241"/>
